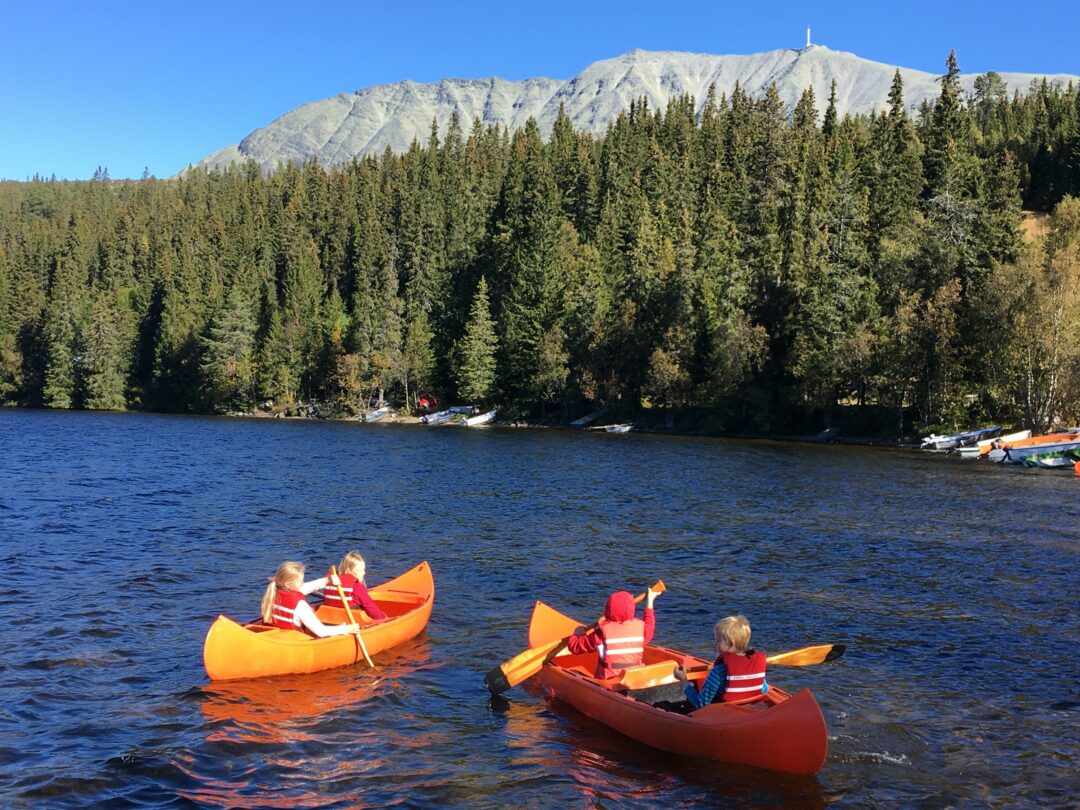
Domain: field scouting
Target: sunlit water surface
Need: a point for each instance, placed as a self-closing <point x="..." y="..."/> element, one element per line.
<point x="954" y="585"/>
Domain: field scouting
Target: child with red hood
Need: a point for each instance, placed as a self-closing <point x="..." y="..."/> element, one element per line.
<point x="619" y="638"/>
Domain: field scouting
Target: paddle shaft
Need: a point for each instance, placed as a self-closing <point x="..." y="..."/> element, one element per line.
<point x="348" y="614"/>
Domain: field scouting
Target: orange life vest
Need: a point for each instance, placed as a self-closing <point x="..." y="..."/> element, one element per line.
<point x="745" y="674"/>
<point x="623" y="643"/>
<point x="283" y="614"/>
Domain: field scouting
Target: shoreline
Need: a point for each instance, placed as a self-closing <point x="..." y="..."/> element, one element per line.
<point x="828" y="436"/>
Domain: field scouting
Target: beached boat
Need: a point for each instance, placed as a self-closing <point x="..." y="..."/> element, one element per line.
<point x="479" y="419"/>
<point x="986" y="445"/>
<point x="935" y="442"/>
<point x="256" y="650"/>
<point x="618" y="428"/>
<point x="377" y="414"/>
<point x="982" y="448"/>
<point x="775" y="731"/>
<point x="1014" y="452"/>
<point x="1050" y="454"/>
<point x="437" y="418"/>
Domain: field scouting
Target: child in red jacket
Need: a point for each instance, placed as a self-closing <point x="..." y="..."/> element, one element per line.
<point x="619" y="638"/>
<point x="352" y="570"/>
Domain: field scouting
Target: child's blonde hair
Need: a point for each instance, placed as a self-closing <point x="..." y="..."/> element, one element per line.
<point x="733" y="629"/>
<point x="350" y="562"/>
<point x="288" y="572"/>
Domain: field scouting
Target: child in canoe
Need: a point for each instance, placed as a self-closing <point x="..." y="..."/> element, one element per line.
<point x="284" y="605"/>
<point x="737" y="674"/>
<point x="619" y="638"/>
<point x="352" y="570"/>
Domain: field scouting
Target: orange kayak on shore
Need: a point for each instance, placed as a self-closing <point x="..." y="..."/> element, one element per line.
<point x="233" y="650"/>
<point x="775" y="731"/>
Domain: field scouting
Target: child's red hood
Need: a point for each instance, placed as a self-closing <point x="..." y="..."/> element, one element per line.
<point x="619" y="607"/>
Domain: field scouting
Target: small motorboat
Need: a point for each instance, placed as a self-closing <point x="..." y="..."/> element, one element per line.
<point x="1014" y="452"/>
<point x="623" y="428"/>
<point x="439" y="418"/>
<point x="256" y="650"/>
<point x="479" y="419"/>
<point x="935" y="442"/>
<point x="377" y="414"/>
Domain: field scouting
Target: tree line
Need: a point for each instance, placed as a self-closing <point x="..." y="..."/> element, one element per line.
<point x="772" y="269"/>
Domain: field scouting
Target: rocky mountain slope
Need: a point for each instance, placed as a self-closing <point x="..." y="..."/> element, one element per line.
<point x="349" y="125"/>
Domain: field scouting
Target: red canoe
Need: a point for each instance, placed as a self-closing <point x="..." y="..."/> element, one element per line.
<point x="775" y="731"/>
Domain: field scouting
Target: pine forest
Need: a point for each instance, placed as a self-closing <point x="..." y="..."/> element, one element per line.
<point x="742" y="266"/>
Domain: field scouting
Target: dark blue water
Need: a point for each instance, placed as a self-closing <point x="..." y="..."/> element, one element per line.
<point x="954" y="585"/>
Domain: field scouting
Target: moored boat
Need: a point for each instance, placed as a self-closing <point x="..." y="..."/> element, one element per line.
<point x="986" y="445"/>
<point x="1014" y="452"/>
<point x="377" y="414"/>
<point x="935" y="442"/>
<point x="438" y="418"/>
<point x="775" y="731"/>
<point x="1051" y="455"/>
<point x="624" y="428"/>
<point x="233" y="650"/>
<point x="480" y="419"/>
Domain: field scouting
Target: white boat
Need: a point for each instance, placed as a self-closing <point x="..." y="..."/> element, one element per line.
<point x="437" y="418"/>
<point x="935" y="442"/>
<point x="481" y="419"/>
<point x="1050" y="454"/>
<point x="618" y="428"/>
<point x="377" y="414"/>
<point x="986" y="446"/>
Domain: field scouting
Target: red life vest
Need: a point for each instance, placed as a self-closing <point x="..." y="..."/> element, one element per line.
<point x="330" y="593"/>
<point x="283" y="614"/>
<point x="745" y="674"/>
<point x="622" y="645"/>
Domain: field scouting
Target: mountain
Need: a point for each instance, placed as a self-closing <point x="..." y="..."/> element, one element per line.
<point x="335" y="130"/>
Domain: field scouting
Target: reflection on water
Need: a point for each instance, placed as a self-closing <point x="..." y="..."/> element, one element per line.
<point x="124" y="535"/>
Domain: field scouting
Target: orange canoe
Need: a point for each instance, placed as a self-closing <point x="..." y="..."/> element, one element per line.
<point x="233" y="650"/>
<point x="775" y="731"/>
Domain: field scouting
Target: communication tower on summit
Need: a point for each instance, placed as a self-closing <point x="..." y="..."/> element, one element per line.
<point x="808" y="36"/>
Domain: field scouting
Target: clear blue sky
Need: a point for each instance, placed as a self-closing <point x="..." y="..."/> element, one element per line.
<point x="158" y="84"/>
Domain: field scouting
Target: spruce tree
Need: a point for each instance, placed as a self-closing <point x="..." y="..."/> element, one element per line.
<point x="476" y="364"/>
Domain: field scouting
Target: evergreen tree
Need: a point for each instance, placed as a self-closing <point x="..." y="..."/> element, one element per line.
<point x="227" y="361"/>
<point x="103" y="367"/>
<point x="476" y="366"/>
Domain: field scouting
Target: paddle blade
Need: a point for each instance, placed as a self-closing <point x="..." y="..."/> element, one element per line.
<point x="521" y="667"/>
<point x="807" y="656"/>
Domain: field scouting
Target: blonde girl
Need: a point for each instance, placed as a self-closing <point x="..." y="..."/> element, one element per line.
<point x="353" y="568"/>
<point x="284" y="605"/>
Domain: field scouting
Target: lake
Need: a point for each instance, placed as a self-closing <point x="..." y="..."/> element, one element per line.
<point x="954" y="585"/>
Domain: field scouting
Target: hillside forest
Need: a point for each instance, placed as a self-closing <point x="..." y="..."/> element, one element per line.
<point x="744" y="266"/>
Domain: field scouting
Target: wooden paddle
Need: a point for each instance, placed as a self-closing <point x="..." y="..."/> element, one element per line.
<point x="524" y="665"/>
<point x="348" y="614"/>
<point x="807" y="656"/>
<point x="661" y="673"/>
<point x="802" y="657"/>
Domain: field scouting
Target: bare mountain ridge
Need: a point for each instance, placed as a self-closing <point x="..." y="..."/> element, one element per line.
<point x="349" y="125"/>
